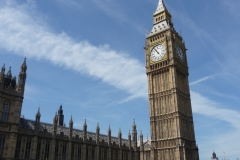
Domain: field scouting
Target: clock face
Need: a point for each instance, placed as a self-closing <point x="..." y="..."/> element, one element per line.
<point x="180" y="53"/>
<point x="157" y="52"/>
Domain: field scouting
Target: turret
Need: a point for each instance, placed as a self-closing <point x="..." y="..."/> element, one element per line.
<point x="7" y="78"/>
<point x="214" y="156"/>
<point x="37" y="120"/>
<point x="55" y="122"/>
<point x="134" y="135"/>
<point x="97" y="133"/>
<point x="129" y="140"/>
<point x="9" y="73"/>
<point x="85" y="131"/>
<point x="120" y="138"/>
<point x="70" y="128"/>
<point x="3" y="69"/>
<point x="38" y="115"/>
<point x="141" y="141"/>
<point x="109" y="136"/>
<point x="2" y="73"/>
<point x="22" y="77"/>
<point x="60" y="116"/>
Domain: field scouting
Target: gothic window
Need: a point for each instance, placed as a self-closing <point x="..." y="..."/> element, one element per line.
<point x="2" y="140"/>
<point x="87" y="153"/>
<point x="100" y="154"/>
<point x="5" y="111"/>
<point x="38" y="149"/>
<point x="72" y="152"/>
<point x="28" y="147"/>
<point x="105" y="153"/>
<point x="79" y="152"/>
<point x="64" y="152"/>
<point x="47" y="150"/>
<point x="126" y="156"/>
<point x="93" y="154"/>
<point x="56" y="151"/>
<point x="114" y="154"/>
<point x="18" y="147"/>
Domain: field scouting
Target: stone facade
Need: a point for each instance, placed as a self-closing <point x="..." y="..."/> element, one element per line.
<point x="171" y="121"/>
<point x="21" y="138"/>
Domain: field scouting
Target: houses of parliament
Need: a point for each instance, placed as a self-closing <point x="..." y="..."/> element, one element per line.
<point x="171" y="120"/>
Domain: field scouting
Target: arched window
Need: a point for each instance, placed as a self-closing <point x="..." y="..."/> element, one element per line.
<point x="5" y="111"/>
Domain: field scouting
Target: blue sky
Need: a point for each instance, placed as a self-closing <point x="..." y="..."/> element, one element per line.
<point x="89" y="57"/>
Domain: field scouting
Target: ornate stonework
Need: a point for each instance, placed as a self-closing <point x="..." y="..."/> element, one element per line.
<point x="171" y="121"/>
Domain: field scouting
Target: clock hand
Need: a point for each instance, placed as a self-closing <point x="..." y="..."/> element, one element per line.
<point x="157" y="51"/>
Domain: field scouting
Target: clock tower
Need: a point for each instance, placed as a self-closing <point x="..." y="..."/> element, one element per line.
<point x="171" y="120"/>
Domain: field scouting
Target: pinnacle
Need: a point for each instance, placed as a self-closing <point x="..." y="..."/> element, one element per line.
<point x="160" y="8"/>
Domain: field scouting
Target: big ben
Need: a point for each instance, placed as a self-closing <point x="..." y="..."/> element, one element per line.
<point x="171" y="119"/>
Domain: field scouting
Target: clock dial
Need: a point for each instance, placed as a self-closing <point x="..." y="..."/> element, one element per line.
<point x="180" y="53"/>
<point x="157" y="52"/>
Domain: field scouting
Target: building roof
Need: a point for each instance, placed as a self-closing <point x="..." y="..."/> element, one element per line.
<point x="30" y="125"/>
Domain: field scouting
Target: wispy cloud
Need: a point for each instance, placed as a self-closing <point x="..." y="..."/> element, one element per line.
<point x="226" y="141"/>
<point x="202" y="79"/>
<point x="207" y="107"/>
<point x="22" y="34"/>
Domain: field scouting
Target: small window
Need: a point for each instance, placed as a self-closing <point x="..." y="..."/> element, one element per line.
<point x="5" y="111"/>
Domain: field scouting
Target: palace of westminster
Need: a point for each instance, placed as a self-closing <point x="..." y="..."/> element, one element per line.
<point x="171" y="120"/>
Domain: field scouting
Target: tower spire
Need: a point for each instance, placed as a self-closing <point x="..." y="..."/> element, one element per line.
<point x="161" y="20"/>
<point x="9" y="73"/>
<point x="161" y="7"/>
<point x="3" y="69"/>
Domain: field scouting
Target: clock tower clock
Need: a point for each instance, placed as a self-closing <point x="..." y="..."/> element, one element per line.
<point x="171" y="120"/>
